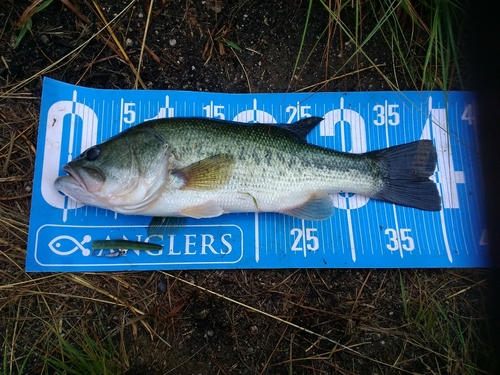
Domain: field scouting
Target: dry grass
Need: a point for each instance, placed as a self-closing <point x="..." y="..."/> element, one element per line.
<point x="207" y="322"/>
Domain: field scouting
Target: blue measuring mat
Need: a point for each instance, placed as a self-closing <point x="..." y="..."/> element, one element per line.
<point x="361" y="233"/>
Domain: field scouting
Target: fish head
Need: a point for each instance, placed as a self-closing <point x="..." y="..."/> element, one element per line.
<point x="125" y="173"/>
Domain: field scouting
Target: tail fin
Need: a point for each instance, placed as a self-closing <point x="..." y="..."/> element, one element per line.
<point x="406" y="170"/>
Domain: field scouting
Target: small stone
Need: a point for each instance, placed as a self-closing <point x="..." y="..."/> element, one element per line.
<point x="44" y="39"/>
<point x="129" y="42"/>
<point x="172" y="42"/>
<point x="162" y="286"/>
<point x="203" y="313"/>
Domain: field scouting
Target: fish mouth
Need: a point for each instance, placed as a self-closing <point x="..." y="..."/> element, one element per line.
<point x="88" y="178"/>
<point x="73" y="175"/>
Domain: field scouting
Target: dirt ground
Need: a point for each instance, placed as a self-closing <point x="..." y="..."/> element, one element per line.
<point x="228" y="322"/>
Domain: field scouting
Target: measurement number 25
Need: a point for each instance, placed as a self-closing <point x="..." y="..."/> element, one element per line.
<point x="305" y="241"/>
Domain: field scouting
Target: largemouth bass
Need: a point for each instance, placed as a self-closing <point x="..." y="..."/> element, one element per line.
<point x="201" y="168"/>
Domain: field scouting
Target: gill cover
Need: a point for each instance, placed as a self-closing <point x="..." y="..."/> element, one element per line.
<point x="126" y="173"/>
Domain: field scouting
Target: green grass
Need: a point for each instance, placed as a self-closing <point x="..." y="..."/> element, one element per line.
<point x="25" y="23"/>
<point x="440" y="326"/>
<point x="85" y="348"/>
<point x="84" y="351"/>
<point x="7" y="364"/>
<point x="423" y="35"/>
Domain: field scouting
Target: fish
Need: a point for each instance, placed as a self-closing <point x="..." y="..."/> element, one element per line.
<point x="203" y="168"/>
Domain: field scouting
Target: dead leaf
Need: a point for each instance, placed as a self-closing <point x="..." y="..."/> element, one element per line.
<point x="28" y="13"/>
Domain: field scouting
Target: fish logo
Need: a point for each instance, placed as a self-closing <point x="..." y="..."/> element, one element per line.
<point x="71" y="244"/>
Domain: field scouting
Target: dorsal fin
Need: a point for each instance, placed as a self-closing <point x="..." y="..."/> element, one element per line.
<point x="303" y="127"/>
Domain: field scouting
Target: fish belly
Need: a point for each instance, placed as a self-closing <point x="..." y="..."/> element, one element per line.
<point x="174" y="204"/>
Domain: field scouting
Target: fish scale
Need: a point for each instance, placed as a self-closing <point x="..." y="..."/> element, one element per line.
<point x="277" y="170"/>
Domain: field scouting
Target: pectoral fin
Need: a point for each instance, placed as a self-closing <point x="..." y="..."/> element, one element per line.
<point x="208" y="174"/>
<point x="318" y="207"/>
<point x="208" y="209"/>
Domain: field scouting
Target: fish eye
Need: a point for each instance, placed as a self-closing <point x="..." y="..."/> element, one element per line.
<point x="92" y="153"/>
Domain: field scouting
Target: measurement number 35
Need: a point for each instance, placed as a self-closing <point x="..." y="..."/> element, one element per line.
<point x="401" y="241"/>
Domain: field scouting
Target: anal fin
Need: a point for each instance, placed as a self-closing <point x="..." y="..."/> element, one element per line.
<point x="205" y="210"/>
<point x="318" y="207"/>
